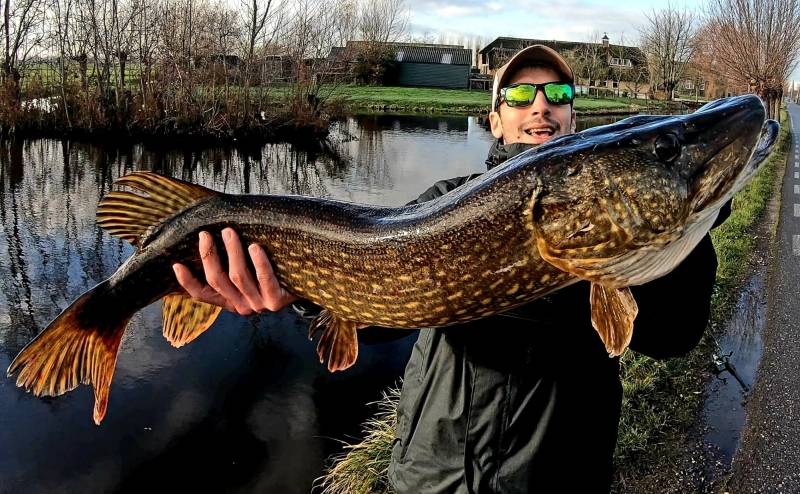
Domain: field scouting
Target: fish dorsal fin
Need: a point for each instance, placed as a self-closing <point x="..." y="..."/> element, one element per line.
<point x="185" y="318"/>
<point x="128" y="215"/>
<point x="613" y="313"/>
<point x="338" y="343"/>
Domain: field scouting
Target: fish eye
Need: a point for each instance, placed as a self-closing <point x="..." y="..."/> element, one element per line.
<point x="667" y="147"/>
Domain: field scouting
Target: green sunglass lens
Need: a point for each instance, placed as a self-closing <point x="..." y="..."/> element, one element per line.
<point x="520" y="95"/>
<point x="559" y="93"/>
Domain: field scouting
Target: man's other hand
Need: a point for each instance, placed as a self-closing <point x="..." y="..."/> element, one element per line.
<point x="236" y="290"/>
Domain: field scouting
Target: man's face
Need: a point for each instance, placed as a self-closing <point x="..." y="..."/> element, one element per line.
<point x="538" y="122"/>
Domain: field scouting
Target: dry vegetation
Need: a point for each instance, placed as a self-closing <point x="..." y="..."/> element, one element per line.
<point x="178" y="67"/>
<point x="668" y="41"/>
<point x="754" y="43"/>
<point x="737" y="46"/>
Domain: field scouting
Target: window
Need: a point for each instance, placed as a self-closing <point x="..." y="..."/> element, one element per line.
<point x="400" y="55"/>
<point x="688" y="85"/>
<point x="447" y="58"/>
<point x="621" y="62"/>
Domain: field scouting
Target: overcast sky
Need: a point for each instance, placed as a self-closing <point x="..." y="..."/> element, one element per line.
<point x="570" y="20"/>
<point x="567" y="20"/>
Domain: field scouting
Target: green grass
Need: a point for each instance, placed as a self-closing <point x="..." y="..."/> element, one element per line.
<point x="661" y="399"/>
<point x="450" y="100"/>
<point x="356" y="97"/>
<point x="47" y="74"/>
<point x="362" y="468"/>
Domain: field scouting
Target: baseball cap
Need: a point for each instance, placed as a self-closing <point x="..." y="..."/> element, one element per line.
<point x="534" y="54"/>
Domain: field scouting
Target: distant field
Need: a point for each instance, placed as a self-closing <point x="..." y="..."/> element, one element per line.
<point x="360" y="98"/>
<point x="431" y="99"/>
<point x="411" y="96"/>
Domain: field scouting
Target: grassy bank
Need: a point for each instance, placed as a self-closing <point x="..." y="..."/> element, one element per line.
<point x="236" y="114"/>
<point x="661" y="399"/>
<point x="201" y="116"/>
<point x="431" y="100"/>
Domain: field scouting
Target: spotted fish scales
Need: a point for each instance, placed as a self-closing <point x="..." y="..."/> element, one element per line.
<point x="617" y="205"/>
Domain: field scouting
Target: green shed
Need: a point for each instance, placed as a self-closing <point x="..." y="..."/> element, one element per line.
<point x="434" y="66"/>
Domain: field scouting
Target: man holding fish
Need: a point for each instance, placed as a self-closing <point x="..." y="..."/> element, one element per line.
<point x="522" y="401"/>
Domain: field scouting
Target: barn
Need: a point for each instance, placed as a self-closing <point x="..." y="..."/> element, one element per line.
<point x="445" y="66"/>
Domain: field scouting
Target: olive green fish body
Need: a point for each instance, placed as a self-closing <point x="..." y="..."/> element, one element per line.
<point x="618" y="205"/>
<point x="465" y="256"/>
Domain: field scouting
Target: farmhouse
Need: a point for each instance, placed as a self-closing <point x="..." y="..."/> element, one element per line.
<point x="599" y="67"/>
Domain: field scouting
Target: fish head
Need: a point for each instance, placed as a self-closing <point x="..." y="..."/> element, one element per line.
<point x="639" y="184"/>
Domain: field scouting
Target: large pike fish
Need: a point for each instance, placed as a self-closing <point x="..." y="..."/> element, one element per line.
<point x="617" y="205"/>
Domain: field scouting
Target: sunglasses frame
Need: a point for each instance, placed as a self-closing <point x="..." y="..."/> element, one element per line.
<point x="537" y="87"/>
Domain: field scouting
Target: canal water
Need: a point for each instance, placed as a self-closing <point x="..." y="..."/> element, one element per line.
<point x="244" y="408"/>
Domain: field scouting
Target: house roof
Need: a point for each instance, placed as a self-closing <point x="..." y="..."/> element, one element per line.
<point x="516" y="44"/>
<point x="411" y="53"/>
<point x="434" y="54"/>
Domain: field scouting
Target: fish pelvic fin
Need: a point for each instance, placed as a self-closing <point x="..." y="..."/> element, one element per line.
<point x="185" y="318"/>
<point x="613" y="313"/>
<point x="80" y="346"/>
<point x="338" y="343"/>
<point x="129" y="214"/>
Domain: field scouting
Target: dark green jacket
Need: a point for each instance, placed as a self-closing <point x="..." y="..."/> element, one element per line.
<point x="529" y="401"/>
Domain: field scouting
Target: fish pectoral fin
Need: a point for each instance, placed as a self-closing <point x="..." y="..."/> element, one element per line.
<point x="185" y="318"/>
<point x="613" y="313"/>
<point x="338" y="343"/>
<point x="129" y="215"/>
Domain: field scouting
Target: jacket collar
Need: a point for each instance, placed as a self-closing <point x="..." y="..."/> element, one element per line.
<point x="499" y="152"/>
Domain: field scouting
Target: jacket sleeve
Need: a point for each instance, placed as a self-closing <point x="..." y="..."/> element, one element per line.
<point x="724" y="212"/>
<point x="674" y="309"/>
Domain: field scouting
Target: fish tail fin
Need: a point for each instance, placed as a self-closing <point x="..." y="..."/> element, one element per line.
<point x="80" y="346"/>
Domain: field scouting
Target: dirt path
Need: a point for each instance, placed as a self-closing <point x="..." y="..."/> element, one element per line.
<point x="768" y="458"/>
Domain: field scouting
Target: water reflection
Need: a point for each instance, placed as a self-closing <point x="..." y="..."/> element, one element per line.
<point x="724" y="408"/>
<point x="245" y="407"/>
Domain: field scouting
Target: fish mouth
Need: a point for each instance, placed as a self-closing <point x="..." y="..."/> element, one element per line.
<point x="734" y="150"/>
<point x="649" y="184"/>
<point x="764" y="146"/>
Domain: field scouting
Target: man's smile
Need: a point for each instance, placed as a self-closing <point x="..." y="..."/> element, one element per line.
<point x="540" y="131"/>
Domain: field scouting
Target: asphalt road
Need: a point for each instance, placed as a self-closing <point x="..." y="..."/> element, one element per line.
<point x="768" y="459"/>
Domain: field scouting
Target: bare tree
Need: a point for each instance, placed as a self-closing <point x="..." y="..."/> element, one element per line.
<point x="757" y="44"/>
<point x="261" y="26"/>
<point x="146" y="42"/>
<point x="667" y="39"/>
<point x="21" y="28"/>
<point x="256" y="15"/>
<point x="202" y="65"/>
<point x="381" y="22"/>
<point x="77" y="31"/>
<point x="591" y="60"/>
<point x="638" y="76"/>
<point x="620" y="64"/>
<point x="61" y="12"/>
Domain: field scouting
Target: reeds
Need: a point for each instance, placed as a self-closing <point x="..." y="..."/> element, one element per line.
<point x="362" y="467"/>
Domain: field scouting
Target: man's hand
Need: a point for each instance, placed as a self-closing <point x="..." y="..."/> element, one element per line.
<point x="235" y="290"/>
